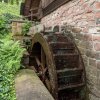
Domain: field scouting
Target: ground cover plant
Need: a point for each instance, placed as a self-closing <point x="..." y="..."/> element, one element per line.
<point x="10" y="58"/>
<point x="10" y="54"/>
<point x="3" y="26"/>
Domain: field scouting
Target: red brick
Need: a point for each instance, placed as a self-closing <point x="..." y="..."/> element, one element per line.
<point x="97" y="5"/>
<point x="85" y="5"/>
<point x="90" y="16"/>
<point x="89" y="10"/>
<point x="97" y="46"/>
<point x="85" y="30"/>
<point x="96" y="38"/>
<point x="97" y="15"/>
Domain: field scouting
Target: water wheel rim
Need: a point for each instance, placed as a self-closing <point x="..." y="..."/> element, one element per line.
<point x="38" y="38"/>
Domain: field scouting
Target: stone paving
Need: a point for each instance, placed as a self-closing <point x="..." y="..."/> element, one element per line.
<point x="29" y="87"/>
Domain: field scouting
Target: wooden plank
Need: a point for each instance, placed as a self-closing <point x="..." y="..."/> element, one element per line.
<point x="36" y="8"/>
<point x="27" y="7"/>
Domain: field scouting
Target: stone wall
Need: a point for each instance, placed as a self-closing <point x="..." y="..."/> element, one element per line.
<point x="82" y="20"/>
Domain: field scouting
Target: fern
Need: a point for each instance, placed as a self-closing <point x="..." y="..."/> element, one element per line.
<point x="10" y="58"/>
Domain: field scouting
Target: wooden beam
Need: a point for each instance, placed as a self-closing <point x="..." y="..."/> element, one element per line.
<point x="32" y="15"/>
<point x="53" y="6"/>
<point x="36" y="8"/>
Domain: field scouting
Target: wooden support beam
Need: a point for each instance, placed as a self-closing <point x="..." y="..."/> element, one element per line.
<point x="53" y="6"/>
<point x="36" y="8"/>
<point x="36" y="14"/>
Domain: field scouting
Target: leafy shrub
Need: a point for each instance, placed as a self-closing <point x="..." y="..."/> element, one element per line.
<point x="3" y="26"/>
<point x="26" y="27"/>
<point x="10" y="57"/>
<point x="5" y="21"/>
<point x="7" y="8"/>
<point x="8" y="17"/>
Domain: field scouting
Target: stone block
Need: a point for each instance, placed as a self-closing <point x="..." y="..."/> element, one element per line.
<point x="94" y="30"/>
<point x="85" y="30"/>
<point x="82" y="44"/>
<point x="97" y="46"/>
<point x="97" y="5"/>
<point x="85" y="60"/>
<point x="87" y="37"/>
<point x="82" y="50"/>
<point x="86" y="45"/>
<point x="98" y="21"/>
<point x="79" y="36"/>
<point x="89" y="45"/>
<point x="77" y="42"/>
<point x="98" y="64"/>
<point x="96" y="37"/>
<point x="97" y="14"/>
<point x="94" y="91"/>
<point x="98" y="80"/>
<point x="92" y="97"/>
<point x="93" y="54"/>
<point x="97" y="55"/>
<point x="92" y="62"/>
<point x="98" y="74"/>
<point x="93" y="71"/>
<point x="98" y="84"/>
<point x="92" y="80"/>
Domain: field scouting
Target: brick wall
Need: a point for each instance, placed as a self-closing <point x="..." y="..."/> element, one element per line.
<point x="82" y="20"/>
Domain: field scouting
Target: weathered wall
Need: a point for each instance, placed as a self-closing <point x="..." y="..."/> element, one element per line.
<point x="83" y="21"/>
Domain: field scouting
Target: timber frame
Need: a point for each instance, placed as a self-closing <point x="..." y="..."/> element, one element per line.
<point x="53" y="6"/>
<point x="41" y="11"/>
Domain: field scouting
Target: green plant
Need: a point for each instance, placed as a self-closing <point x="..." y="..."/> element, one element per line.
<point x="10" y="58"/>
<point x="8" y="8"/>
<point x="3" y="26"/>
<point x="26" y="27"/>
<point x="8" y="17"/>
<point x="5" y="21"/>
<point x="11" y="1"/>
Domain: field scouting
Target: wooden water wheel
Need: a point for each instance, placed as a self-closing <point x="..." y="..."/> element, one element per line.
<point x="59" y="65"/>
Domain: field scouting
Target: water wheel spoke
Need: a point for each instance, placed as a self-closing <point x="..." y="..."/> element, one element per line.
<point x="42" y="69"/>
<point x="48" y="84"/>
<point x="39" y="63"/>
<point x="45" y="70"/>
<point x="44" y="74"/>
<point x="43" y="57"/>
